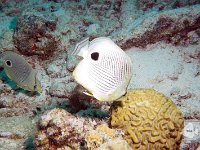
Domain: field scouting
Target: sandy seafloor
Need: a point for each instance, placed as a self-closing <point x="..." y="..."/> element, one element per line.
<point x="168" y="66"/>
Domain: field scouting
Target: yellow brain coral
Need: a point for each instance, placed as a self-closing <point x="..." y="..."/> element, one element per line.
<point x="149" y="119"/>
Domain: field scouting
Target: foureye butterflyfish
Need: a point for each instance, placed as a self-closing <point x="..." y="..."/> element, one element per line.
<point x="105" y="70"/>
<point x="18" y="70"/>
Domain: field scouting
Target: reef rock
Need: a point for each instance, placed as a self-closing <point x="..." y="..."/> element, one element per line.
<point x="72" y="62"/>
<point x="103" y="138"/>
<point x="149" y="119"/>
<point x="56" y="68"/>
<point x="62" y="89"/>
<point x="59" y="129"/>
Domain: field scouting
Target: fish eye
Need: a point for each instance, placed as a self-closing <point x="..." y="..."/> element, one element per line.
<point x="8" y="63"/>
<point x="95" y="56"/>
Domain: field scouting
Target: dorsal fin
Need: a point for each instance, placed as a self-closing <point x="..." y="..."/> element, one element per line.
<point x="81" y="47"/>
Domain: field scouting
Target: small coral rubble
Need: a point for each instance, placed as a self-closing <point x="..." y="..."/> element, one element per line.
<point x="116" y="144"/>
<point x="103" y="138"/>
<point x="149" y="119"/>
<point x="96" y="138"/>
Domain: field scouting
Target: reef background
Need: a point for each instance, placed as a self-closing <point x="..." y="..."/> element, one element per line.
<point x="162" y="38"/>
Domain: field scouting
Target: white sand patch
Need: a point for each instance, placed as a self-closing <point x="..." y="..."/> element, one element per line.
<point x="164" y="68"/>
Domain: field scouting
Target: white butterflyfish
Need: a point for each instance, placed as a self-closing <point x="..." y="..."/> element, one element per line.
<point x="105" y="70"/>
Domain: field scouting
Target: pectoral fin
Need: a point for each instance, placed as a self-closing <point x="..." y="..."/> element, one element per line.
<point x="88" y="93"/>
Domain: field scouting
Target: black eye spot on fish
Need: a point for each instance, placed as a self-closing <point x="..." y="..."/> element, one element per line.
<point x="8" y="63"/>
<point x="95" y="56"/>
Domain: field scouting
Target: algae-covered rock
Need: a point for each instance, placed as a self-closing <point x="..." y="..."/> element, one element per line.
<point x="176" y="26"/>
<point x="34" y="36"/>
<point x="149" y="119"/>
